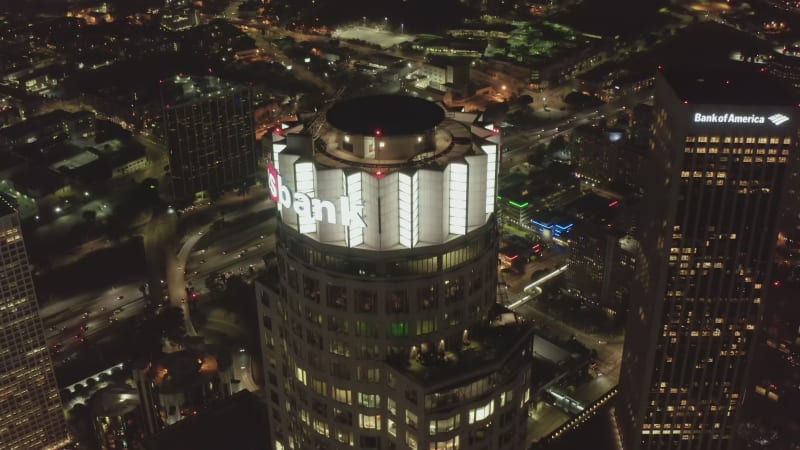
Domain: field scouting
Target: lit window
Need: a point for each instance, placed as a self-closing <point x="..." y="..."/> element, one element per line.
<point x="345" y="437"/>
<point x="301" y="375"/>
<point x="319" y="386"/>
<point x="369" y="422"/>
<point x="411" y="441"/>
<point x="369" y="400"/>
<point x="481" y="412"/>
<point x="444" y="425"/>
<point x="321" y="427"/>
<point x="342" y="396"/>
<point x="411" y="419"/>
<point x="449" y="444"/>
<point x="505" y="397"/>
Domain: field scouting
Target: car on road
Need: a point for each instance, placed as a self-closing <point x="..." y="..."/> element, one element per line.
<point x="120" y="297"/>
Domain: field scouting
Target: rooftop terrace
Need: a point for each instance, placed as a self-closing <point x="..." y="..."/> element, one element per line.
<point x="487" y="347"/>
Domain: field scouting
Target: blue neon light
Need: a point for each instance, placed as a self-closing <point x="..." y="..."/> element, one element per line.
<point x="557" y="229"/>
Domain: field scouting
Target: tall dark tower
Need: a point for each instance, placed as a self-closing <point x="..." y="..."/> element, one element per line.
<point x="208" y="124"/>
<point x="723" y="145"/>
<point x="30" y="408"/>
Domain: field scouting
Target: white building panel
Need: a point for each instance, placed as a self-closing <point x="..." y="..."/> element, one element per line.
<point x="432" y="210"/>
<point x="330" y="186"/>
<point x="408" y="208"/>
<point x="304" y="182"/>
<point x="354" y="184"/>
<point x="370" y="196"/>
<point x="390" y="225"/>
<point x="491" y="176"/>
<point x="287" y="214"/>
<point x="277" y="148"/>
<point x="457" y="198"/>
<point x="476" y="191"/>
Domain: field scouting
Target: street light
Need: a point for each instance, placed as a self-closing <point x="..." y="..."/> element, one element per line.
<point x="364" y="21"/>
<point x="401" y="28"/>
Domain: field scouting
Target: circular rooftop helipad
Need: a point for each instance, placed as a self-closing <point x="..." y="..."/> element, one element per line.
<point x="385" y="115"/>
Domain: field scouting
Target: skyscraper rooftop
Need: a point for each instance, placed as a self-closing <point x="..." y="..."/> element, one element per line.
<point x="729" y="86"/>
<point x="386" y="115"/>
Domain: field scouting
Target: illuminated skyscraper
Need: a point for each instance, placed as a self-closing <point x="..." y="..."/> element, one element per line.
<point x="723" y="144"/>
<point x="208" y="125"/>
<point x="377" y="310"/>
<point x="30" y="408"/>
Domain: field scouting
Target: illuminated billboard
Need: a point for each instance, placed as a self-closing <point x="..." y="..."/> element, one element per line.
<point x="343" y="212"/>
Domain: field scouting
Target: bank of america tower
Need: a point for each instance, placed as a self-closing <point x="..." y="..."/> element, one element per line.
<point x="724" y="143"/>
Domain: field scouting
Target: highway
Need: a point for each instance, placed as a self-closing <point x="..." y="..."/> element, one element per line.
<point x="233" y="252"/>
<point x="94" y="311"/>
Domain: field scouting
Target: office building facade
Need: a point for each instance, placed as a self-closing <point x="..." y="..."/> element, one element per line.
<point x="209" y="130"/>
<point x="602" y="263"/>
<point x="723" y="145"/>
<point x="771" y="418"/>
<point x="376" y="309"/>
<point x="30" y="407"/>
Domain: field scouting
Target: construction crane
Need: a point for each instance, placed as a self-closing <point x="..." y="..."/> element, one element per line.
<point x="316" y="124"/>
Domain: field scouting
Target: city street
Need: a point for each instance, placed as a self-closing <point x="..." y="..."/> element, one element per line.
<point x="242" y="370"/>
<point x="546" y="418"/>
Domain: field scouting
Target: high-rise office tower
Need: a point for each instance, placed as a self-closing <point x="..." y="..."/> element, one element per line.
<point x="30" y="408"/>
<point x="208" y="125"/>
<point x="723" y="144"/>
<point x="602" y="262"/>
<point x="771" y="419"/>
<point x="376" y="313"/>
